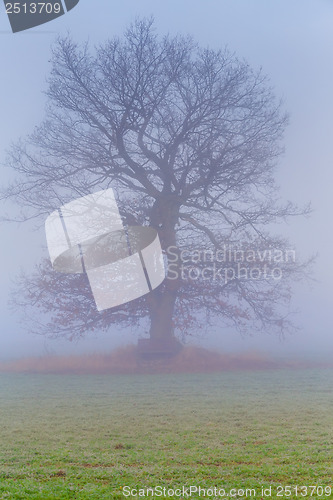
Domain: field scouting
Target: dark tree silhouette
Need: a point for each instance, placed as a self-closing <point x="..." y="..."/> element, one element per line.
<point x="189" y="139"/>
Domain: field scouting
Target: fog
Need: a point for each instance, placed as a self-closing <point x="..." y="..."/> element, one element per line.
<point x="293" y="43"/>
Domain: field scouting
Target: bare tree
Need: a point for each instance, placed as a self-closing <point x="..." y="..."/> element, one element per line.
<point x="189" y="139"/>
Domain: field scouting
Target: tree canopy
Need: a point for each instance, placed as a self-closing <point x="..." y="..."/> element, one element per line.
<point x="189" y="139"/>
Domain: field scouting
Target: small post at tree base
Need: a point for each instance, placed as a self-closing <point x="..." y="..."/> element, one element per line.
<point x="159" y="348"/>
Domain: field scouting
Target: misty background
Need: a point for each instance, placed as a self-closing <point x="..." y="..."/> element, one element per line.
<point x="293" y="43"/>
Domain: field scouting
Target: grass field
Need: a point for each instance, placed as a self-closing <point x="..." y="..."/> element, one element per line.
<point x="70" y="436"/>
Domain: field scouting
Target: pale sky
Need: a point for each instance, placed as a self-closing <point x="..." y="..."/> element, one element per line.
<point x="292" y="42"/>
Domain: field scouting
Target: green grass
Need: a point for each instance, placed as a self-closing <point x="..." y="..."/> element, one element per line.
<point x="89" y="436"/>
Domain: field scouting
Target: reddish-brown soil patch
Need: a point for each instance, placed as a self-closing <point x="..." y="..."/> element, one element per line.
<point x="125" y="360"/>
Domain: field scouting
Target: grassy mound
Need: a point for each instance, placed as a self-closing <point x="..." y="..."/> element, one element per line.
<point x="125" y="360"/>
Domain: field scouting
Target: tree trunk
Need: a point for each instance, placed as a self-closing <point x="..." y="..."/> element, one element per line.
<point x="161" y="318"/>
<point x="164" y="218"/>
